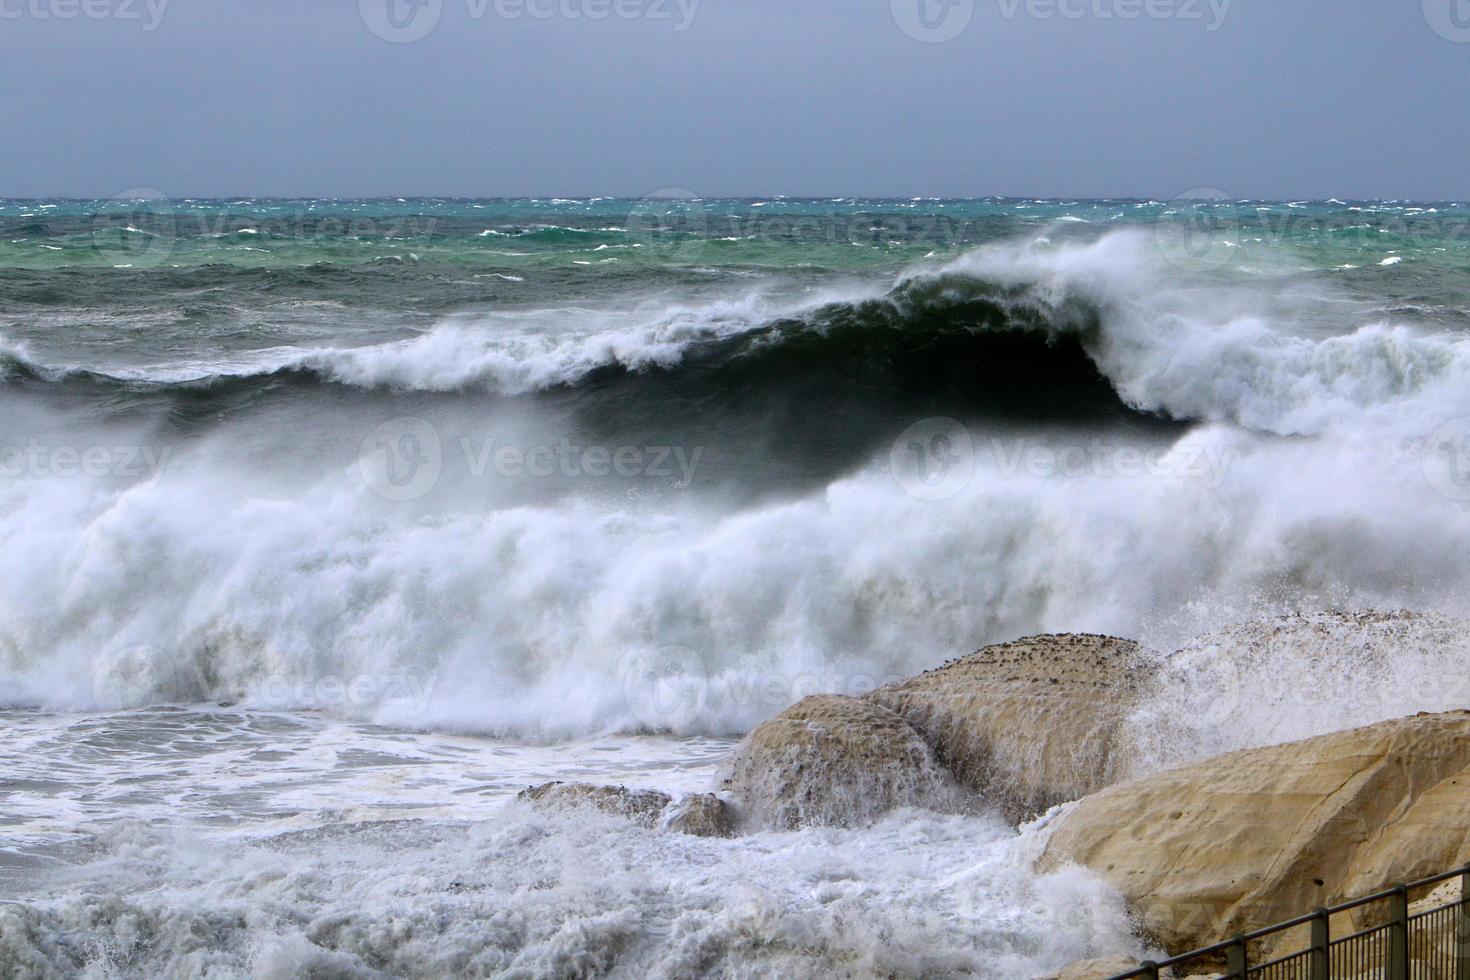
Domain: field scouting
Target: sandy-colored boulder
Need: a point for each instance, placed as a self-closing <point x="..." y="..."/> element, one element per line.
<point x="1029" y="724"/>
<point x="1248" y="839"/>
<point x="699" y="815"/>
<point x="641" y="806"/>
<point x="833" y="761"/>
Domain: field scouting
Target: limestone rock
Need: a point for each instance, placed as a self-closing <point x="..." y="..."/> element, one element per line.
<point x="641" y="806"/>
<point x="1029" y="724"/>
<point x="1245" y="840"/>
<point x="834" y="761"/>
<point x="700" y="815"/>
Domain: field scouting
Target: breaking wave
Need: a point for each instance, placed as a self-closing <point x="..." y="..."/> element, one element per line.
<point x="1080" y="331"/>
<point x="595" y="606"/>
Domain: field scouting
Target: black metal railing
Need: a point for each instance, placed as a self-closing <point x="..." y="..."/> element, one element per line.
<point x="1432" y="944"/>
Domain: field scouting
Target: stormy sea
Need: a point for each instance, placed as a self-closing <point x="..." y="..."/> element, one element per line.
<point x="329" y="526"/>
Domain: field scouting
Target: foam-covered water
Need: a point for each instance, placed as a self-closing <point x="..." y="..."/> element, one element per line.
<point x="218" y="842"/>
<point x="445" y="498"/>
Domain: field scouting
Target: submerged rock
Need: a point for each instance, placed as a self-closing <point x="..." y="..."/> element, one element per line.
<point x="700" y="815"/>
<point x="834" y="761"/>
<point x="1029" y="724"/>
<point x="642" y="806"/>
<point x="1242" y="841"/>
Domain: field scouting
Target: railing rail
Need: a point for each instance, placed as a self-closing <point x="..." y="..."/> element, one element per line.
<point x="1431" y="944"/>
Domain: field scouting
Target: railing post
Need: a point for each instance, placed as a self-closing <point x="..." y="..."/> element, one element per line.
<point x="1462" y="929"/>
<point x="1321" y="963"/>
<point x="1236" y="961"/>
<point x="1150" y="969"/>
<point x="1398" y="934"/>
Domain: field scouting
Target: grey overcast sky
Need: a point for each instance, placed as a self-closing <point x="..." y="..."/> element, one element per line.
<point x="1282" y="98"/>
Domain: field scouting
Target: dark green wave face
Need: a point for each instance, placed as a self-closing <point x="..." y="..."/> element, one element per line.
<point x="132" y="285"/>
<point x="810" y="432"/>
<point x="791" y="339"/>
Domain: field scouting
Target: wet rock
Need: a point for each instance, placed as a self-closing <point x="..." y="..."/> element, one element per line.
<point x="1029" y="724"/>
<point x="641" y="806"/>
<point x="834" y="761"/>
<point x="1248" y="839"/>
<point x="700" y="815"/>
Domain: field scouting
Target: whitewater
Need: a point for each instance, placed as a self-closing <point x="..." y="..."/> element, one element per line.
<point x="318" y="547"/>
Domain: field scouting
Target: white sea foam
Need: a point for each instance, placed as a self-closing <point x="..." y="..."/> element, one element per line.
<point x="1255" y="354"/>
<point x="510" y="354"/>
<point x="1259" y="353"/>
<point x="528" y="894"/>
<point x="239" y="577"/>
<point x="589" y="615"/>
<point x="363" y="852"/>
<point x="534" y="894"/>
<point x="1252" y="354"/>
<point x="1281" y="679"/>
<point x="257" y="565"/>
<point x="532" y="353"/>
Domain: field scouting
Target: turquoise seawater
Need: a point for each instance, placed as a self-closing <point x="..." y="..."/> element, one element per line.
<point x="325" y="526"/>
